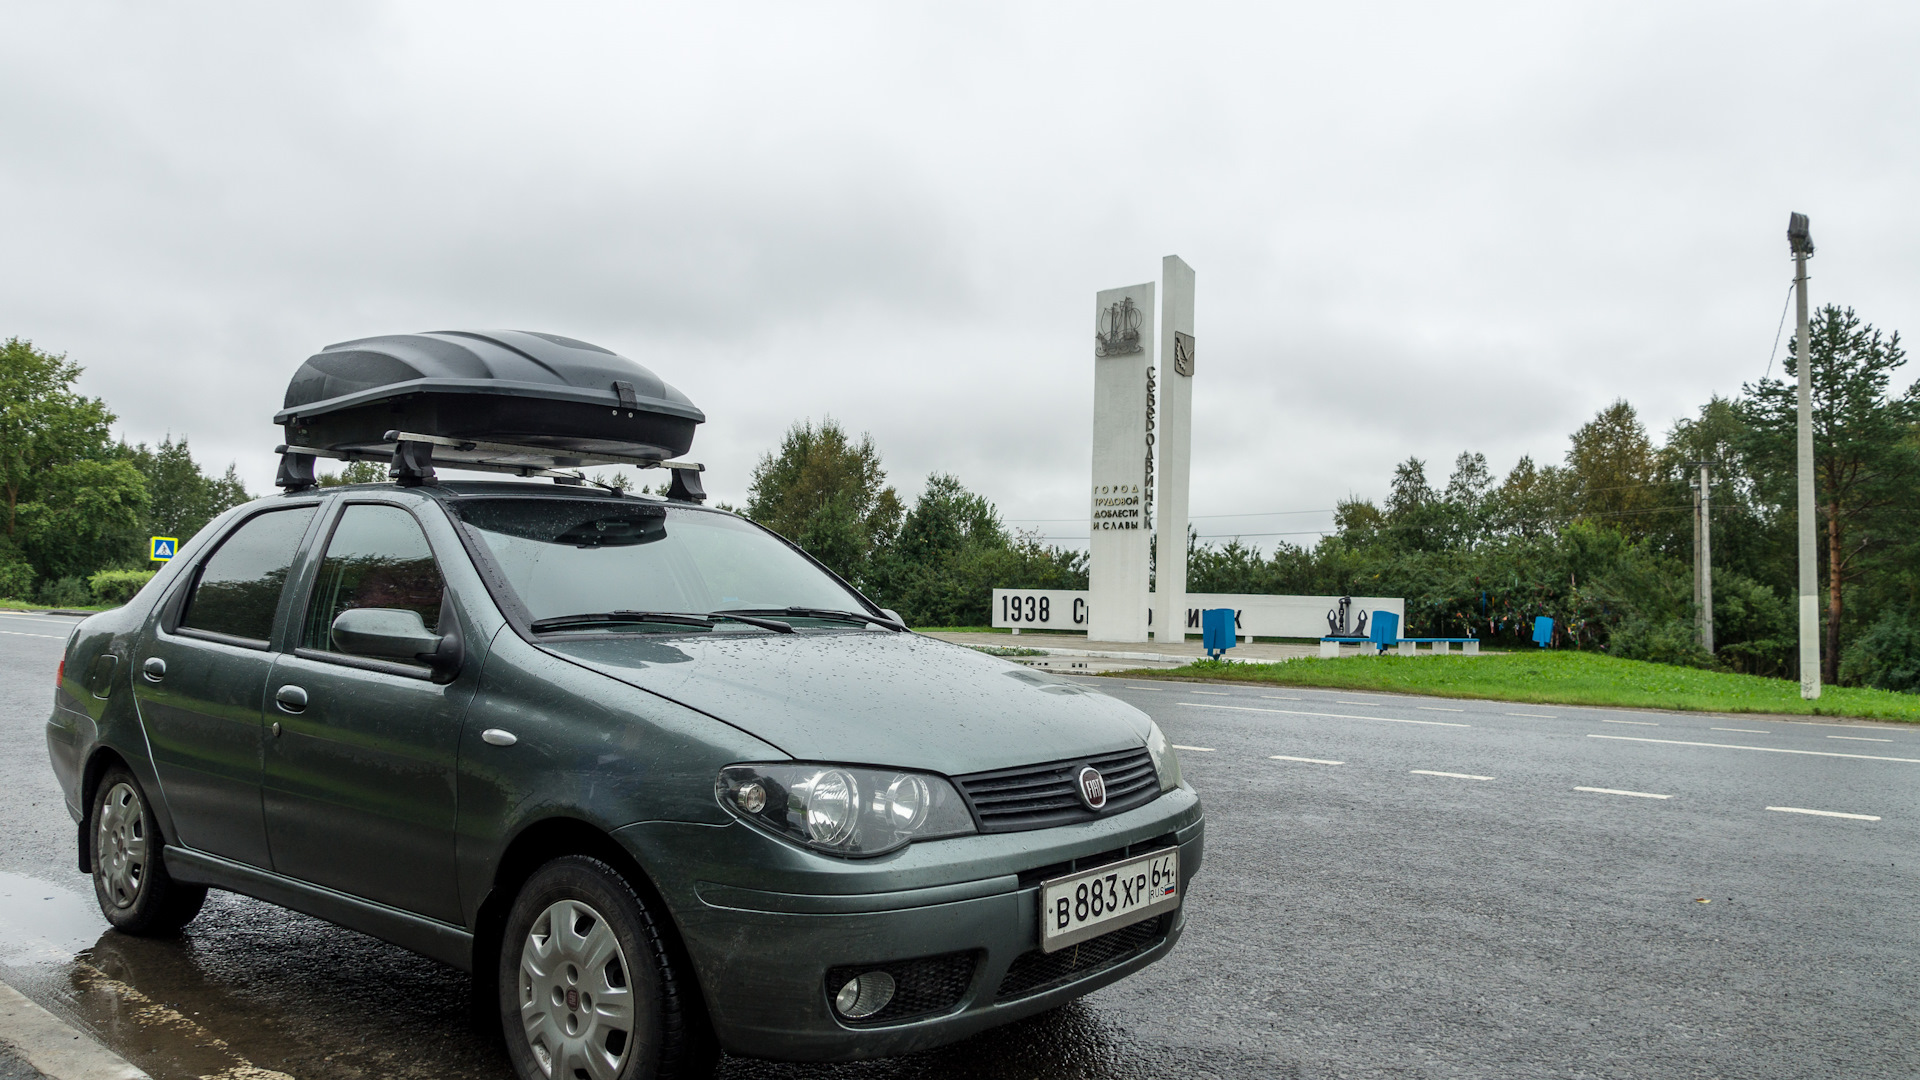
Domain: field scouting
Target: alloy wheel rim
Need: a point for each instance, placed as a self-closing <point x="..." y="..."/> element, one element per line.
<point x="120" y="845"/>
<point x="576" y="1000"/>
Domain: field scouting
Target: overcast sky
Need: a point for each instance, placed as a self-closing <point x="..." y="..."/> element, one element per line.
<point x="1418" y="229"/>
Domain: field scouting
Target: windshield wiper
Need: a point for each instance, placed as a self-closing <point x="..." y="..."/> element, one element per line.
<point x="774" y="625"/>
<point x="591" y="618"/>
<point x="672" y="618"/>
<point x="821" y="613"/>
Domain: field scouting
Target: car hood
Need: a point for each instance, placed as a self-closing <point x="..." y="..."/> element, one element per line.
<point x="865" y="697"/>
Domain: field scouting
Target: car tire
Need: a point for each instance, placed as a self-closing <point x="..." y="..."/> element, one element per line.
<point x="130" y="877"/>
<point x="588" y="982"/>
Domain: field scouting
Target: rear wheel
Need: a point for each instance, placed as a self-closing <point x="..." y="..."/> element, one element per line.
<point x="588" y="990"/>
<point x="130" y="877"/>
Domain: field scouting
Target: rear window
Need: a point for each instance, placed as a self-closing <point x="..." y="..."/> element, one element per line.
<point x="239" y="585"/>
<point x="569" y="556"/>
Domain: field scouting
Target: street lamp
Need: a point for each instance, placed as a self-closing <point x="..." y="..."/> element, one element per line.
<point x="1800" y="241"/>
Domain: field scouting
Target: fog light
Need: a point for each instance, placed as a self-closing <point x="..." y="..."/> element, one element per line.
<point x="752" y="797"/>
<point x="864" y="995"/>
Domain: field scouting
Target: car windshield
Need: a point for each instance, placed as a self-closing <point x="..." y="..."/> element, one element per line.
<point x="625" y="561"/>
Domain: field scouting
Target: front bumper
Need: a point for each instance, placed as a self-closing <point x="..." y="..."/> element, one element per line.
<point x="763" y="921"/>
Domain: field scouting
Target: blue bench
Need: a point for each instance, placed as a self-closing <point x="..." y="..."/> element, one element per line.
<point x="1384" y="632"/>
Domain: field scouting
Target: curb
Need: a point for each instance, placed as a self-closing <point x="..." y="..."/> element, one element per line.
<point x="56" y="1048"/>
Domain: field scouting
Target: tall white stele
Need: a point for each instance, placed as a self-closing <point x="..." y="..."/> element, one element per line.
<point x="1122" y="501"/>
<point x="1175" y="441"/>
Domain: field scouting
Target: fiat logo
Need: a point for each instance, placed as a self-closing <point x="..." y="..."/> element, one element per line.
<point x="1093" y="788"/>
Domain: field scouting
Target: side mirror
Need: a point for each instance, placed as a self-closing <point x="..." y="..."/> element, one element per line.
<point x="396" y="634"/>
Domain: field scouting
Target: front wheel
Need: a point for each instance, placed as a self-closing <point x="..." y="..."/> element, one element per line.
<point x="130" y="877"/>
<point x="587" y="986"/>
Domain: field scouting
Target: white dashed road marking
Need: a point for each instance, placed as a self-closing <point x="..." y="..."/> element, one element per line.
<point x="1763" y="749"/>
<point x="1308" y="760"/>
<point x="1215" y="693"/>
<point x="1334" y="715"/>
<point x="1455" y="775"/>
<point x="22" y="633"/>
<point x="1857" y="738"/>
<point x="1277" y="697"/>
<point x="1748" y="730"/>
<point x="1824" y="813"/>
<point x="1636" y="723"/>
<point x="1534" y="715"/>
<point x="1617" y="791"/>
<point x="1436" y="708"/>
<point x="1195" y="749"/>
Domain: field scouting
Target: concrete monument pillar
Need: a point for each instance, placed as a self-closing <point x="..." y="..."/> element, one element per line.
<point x="1123" y="435"/>
<point x="1175" y="442"/>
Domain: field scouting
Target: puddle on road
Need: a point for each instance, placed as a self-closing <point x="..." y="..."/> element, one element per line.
<point x="249" y="992"/>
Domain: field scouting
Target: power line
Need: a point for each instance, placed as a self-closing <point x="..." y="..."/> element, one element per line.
<point x="1777" y="330"/>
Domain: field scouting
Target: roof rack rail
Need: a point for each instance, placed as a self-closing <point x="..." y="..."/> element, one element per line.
<point x="414" y="455"/>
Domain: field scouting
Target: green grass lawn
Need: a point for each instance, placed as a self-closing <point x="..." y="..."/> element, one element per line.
<point x="22" y="605"/>
<point x="1559" y="678"/>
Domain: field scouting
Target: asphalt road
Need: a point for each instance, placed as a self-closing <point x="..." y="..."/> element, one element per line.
<point x="1394" y="887"/>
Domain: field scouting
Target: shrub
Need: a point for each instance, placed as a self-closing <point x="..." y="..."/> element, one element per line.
<point x="118" y="586"/>
<point x="64" y="592"/>
<point x="16" y="573"/>
<point x="1662" y="641"/>
<point x="1887" y="655"/>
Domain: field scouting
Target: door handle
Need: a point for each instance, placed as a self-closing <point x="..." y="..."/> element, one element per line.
<point x="494" y="736"/>
<point x="291" y="698"/>
<point x="155" y="669"/>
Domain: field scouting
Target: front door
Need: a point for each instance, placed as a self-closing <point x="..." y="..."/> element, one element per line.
<point x="359" y="783"/>
<point x="199" y="676"/>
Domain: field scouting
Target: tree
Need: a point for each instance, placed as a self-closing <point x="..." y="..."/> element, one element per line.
<point x="184" y="497"/>
<point x="1610" y="468"/>
<point x="1466" y="499"/>
<point x="1866" y="466"/>
<point x="43" y="422"/>
<point x="827" y="494"/>
<point x="1526" y="503"/>
<point x="1416" y="519"/>
<point x="950" y="554"/>
<point x="1355" y="519"/>
<point x="364" y="472"/>
<point x="85" y="517"/>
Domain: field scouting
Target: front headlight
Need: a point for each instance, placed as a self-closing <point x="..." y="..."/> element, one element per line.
<point x="1165" y="761"/>
<point x="844" y="809"/>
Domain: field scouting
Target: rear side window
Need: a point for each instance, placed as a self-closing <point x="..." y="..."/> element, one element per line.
<point x="378" y="558"/>
<point x="239" y="585"/>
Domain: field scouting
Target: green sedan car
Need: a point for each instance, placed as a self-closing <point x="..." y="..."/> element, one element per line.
<point x="663" y="783"/>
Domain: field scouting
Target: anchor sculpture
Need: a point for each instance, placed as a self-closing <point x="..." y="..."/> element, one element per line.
<point x="1338" y="624"/>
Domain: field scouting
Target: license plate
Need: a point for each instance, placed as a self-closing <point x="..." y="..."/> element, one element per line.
<point x="1089" y="903"/>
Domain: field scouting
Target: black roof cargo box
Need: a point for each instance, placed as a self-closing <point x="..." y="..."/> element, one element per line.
<point x="501" y="386"/>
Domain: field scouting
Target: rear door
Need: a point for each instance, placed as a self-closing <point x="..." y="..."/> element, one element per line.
<point x="199" y="677"/>
<point x="359" y="782"/>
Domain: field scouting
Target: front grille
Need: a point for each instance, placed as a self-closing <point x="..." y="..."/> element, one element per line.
<point x="1036" y="971"/>
<point x="931" y="984"/>
<point x="1042" y="796"/>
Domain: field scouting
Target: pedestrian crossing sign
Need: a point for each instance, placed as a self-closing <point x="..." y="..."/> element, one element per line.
<point x="162" y="548"/>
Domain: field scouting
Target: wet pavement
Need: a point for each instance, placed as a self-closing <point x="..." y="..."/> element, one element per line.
<point x="1394" y="887"/>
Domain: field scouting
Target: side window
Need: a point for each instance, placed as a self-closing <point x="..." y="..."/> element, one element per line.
<point x="378" y="558"/>
<point x="239" y="585"/>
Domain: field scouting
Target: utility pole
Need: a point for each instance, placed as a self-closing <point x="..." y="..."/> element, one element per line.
<point x="1800" y="239"/>
<point x="1703" y="555"/>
